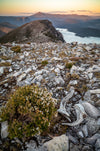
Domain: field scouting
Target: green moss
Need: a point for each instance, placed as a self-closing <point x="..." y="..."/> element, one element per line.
<point x="28" y="111"/>
<point x="45" y="62"/>
<point x="16" y="49"/>
<point x="69" y="65"/>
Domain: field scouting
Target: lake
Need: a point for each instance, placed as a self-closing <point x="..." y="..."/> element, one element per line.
<point x="72" y="37"/>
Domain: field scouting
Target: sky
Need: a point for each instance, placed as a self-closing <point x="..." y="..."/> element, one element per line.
<point x="28" y="7"/>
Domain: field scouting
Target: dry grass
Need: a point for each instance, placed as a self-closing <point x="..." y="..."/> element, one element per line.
<point x="5" y="64"/>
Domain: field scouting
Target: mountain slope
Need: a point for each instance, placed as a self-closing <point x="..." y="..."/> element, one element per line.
<point x="6" y="27"/>
<point x="35" y="31"/>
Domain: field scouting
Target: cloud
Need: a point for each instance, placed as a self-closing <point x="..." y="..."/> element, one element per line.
<point x="25" y="13"/>
<point x="85" y="11"/>
<point x="58" y="12"/>
<point x="97" y="13"/>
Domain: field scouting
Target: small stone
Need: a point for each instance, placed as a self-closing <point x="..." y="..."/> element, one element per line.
<point x="87" y="148"/>
<point x="80" y="134"/>
<point x="87" y="96"/>
<point x="60" y="67"/>
<point x="97" y="144"/>
<point x="59" y="80"/>
<point x="37" y="79"/>
<point x="93" y="139"/>
<point x="73" y="69"/>
<point x="4" y="129"/>
<point x="90" y="75"/>
<point x="10" y="70"/>
<point x="57" y="70"/>
<point x="85" y="130"/>
<point x="31" y="145"/>
<point x="96" y="91"/>
<point x="1" y="70"/>
<point x="74" y="82"/>
<point x="21" y="77"/>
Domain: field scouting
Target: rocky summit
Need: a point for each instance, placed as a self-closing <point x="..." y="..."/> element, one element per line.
<point x="71" y="72"/>
<point x="35" y="31"/>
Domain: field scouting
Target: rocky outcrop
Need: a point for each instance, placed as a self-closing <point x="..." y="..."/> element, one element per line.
<point x="36" y="31"/>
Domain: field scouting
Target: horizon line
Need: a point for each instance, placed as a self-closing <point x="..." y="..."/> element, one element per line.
<point x="54" y="12"/>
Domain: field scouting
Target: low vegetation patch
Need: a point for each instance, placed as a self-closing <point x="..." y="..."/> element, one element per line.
<point x="97" y="75"/>
<point x="4" y="57"/>
<point x="28" y="111"/>
<point x="73" y="76"/>
<point x="45" y="62"/>
<point x="16" y="49"/>
<point x="68" y="65"/>
<point x="2" y="64"/>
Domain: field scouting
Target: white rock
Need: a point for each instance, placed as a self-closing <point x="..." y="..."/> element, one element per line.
<point x="10" y="70"/>
<point x="28" y="70"/>
<point x="31" y="146"/>
<point x="90" y="75"/>
<point x="88" y="48"/>
<point x="80" y="134"/>
<point x="34" y="68"/>
<point x="73" y="82"/>
<point x="87" y="96"/>
<point x="21" y="77"/>
<point x="1" y="70"/>
<point x="59" y="80"/>
<point x="4" y="129"/>
<point x="17" y="73"/>
<point x="57" y="70"/>
<point x="96" y="91"/>
<point x="60" y="143"/>
<point x="38" y="72"/>
<point x="73" y="69"/>
<point x="37" y="79"/>
<point x="85" y="130"/>
<point x="26" y="53"/>
<point x="60" y="67"/>
<point x="57" y="59"/>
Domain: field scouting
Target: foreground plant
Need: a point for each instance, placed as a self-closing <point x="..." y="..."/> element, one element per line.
<point x="44" y="63"/>
<point x="16" y="49"/>
<point x="28" y="112"/>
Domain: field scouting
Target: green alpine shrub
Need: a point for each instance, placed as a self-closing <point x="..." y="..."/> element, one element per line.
<point x="28" y="112"/>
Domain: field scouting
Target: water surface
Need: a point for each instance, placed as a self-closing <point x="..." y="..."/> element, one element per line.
<point x="72" y="37"/>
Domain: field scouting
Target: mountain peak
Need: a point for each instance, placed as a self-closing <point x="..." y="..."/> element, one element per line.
<point x="35" y="31"/>
<point x="39" y="14"/>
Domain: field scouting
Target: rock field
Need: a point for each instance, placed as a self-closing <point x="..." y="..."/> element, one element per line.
<point x="63" y="68"/>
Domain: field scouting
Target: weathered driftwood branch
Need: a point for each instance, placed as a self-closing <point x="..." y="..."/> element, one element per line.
<point x="80" y="115"/>
<point x="62" y="109"/>
<point x="82" y="110"/>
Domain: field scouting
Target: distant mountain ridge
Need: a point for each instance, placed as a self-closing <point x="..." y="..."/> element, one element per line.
<point x="82" y="25"/>
<point x="6" y="27"/>
<point x="35" y="31"/>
